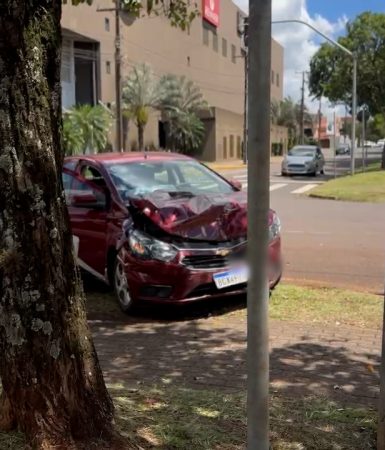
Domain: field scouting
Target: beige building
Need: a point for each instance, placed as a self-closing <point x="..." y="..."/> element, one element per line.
<point x="210" y="54"/>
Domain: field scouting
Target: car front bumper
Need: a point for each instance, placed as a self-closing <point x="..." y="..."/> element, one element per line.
<point x="175" y="283"/>
<point x="298" y="170"/>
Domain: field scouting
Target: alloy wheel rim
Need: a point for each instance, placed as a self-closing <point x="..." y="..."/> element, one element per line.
<point x="121" y="286"/>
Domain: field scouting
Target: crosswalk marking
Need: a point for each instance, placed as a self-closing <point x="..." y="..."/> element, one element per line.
<point x="274" y="187"/>
<point x="304" y="189"/>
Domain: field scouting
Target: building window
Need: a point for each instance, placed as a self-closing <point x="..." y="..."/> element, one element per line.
<point x="272" y="77"/>
<point x="233" y="53"/>
<point x="205" y="36"/>
<point x="231" y="146"/>
<point x="215" y="42"/>
<point x="224" y="147"/>
<point x="108" y="66"/>
<point x="224" y="47"/>
<point x="107" y="24"/>
<point x="239" y="147"/>
<point x="278" y="79"/>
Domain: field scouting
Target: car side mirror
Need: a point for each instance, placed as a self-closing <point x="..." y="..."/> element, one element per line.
<point x="89" y="200"/>
<point x="236" y="184"/>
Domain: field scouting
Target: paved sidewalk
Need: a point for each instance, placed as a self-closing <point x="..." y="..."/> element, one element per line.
<point x="340" y="362"/>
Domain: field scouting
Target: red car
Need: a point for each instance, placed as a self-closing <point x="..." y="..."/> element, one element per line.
<point x="161" y="227"/>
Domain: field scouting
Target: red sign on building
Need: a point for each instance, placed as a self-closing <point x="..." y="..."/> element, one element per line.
<point x="211" y="11"/>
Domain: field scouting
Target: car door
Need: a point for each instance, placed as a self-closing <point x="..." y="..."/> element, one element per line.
<point x="88" y="206"/>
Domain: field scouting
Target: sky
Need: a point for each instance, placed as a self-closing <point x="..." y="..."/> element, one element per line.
<point x="300" y="43"/>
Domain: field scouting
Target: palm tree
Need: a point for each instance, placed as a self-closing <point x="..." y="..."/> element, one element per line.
<point x="141" y="92"/>
<point x="182" y="102"/>
<point x="186" y="132"/>
<point x="85" y="129"/>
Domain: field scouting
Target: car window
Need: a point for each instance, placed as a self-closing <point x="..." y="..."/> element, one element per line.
<point x="302" y="151"/>
<point x="93" y="175"/>
<point x="75" y="186"/>
<point x="173" y="176"/>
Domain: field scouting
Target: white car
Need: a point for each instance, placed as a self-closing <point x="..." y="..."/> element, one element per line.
<point x="303" y="160"/>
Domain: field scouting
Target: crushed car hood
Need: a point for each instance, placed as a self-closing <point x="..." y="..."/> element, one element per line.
<point x="203" y="217"/>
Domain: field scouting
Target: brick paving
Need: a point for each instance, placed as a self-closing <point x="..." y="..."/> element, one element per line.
<point x="336" y="361"/>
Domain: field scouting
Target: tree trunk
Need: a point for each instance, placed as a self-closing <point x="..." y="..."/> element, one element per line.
<point x="383" y="159"/>
<point x="141" y="137"/>
<point x="53" y="387"/>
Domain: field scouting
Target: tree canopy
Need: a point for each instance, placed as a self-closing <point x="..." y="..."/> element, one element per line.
<point x="331" y="69"/>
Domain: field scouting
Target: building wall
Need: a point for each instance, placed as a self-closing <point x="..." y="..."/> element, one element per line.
<point x="211" y="57"/>
<point x="87" y="21"/>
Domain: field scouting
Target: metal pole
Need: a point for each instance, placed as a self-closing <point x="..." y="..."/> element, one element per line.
<point x="302" y="109"/>
<point x="381" y="400"/>
<point x="245" y="111"/>
<point x="319" y="121"/>
<point x="363" y="138"/>
<point x="118" y="81"/>
<point x="258" y="143"/>
<point x="354" y="114"/>
<point x="334" y="143"/>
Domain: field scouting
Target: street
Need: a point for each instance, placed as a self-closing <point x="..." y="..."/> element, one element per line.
<point x="326" y="242"/>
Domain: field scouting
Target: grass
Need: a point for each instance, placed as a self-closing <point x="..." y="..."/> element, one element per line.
<point x="170" y="417"/>
<point x="288" y="302"/>
<point x="362" y="187"/>
<point x="327" y="306"/>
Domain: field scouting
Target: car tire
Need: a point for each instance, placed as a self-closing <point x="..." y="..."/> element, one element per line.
<point x="283" y="174"/>
<point x="121" y="289"/>
<point x="314" y="174"/>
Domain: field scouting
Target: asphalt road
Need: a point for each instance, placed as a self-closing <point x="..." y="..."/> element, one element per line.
<point x="327" y="242"/>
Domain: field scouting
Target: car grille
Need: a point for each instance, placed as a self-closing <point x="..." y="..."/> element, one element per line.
<point x="296" y="166"/>
<point x="214" y="261"/>
<point x="211" y="289"/>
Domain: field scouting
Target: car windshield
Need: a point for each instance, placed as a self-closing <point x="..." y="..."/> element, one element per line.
<point x="302" y="151"/>
<point x="180" y="178"/>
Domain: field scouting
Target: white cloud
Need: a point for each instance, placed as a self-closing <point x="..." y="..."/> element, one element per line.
<point x="299" y="42"/>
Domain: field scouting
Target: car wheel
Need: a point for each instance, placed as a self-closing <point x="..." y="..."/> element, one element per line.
<point x="121" y="289"/>
<point x="283" y="174"/>
<point x="314" y="174"/>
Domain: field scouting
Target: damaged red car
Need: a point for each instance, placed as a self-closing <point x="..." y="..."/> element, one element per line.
<point x="184" y="227"/>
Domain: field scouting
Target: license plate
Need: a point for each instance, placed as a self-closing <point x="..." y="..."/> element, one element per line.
<point x="231" y="278"/>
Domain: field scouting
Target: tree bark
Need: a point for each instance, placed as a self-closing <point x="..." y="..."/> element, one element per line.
<point x="53" y="387"/>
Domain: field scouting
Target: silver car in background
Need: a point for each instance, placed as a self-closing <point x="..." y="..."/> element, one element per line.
<point x="303" y="160"/>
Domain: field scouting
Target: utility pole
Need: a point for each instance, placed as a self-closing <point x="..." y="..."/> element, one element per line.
<point x="302" y="119"/>
<point x="381" y="401"/>
<point x="118" y="76"/>
<point x="363" y="137"/>
<point x="319" y="120"/>
<point x="354" y="116"/>
<point x="258" y="144"/>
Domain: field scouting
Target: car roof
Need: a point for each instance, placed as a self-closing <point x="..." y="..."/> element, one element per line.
<point x="117" y="157"/>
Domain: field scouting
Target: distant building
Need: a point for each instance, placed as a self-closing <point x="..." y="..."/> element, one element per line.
<point x="209" y="53"/>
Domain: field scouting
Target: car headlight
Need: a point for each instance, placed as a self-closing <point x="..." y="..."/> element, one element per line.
<point x="147" y="247"/>
<point x="274" y="228"/>
<point x="308" y="163"/>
